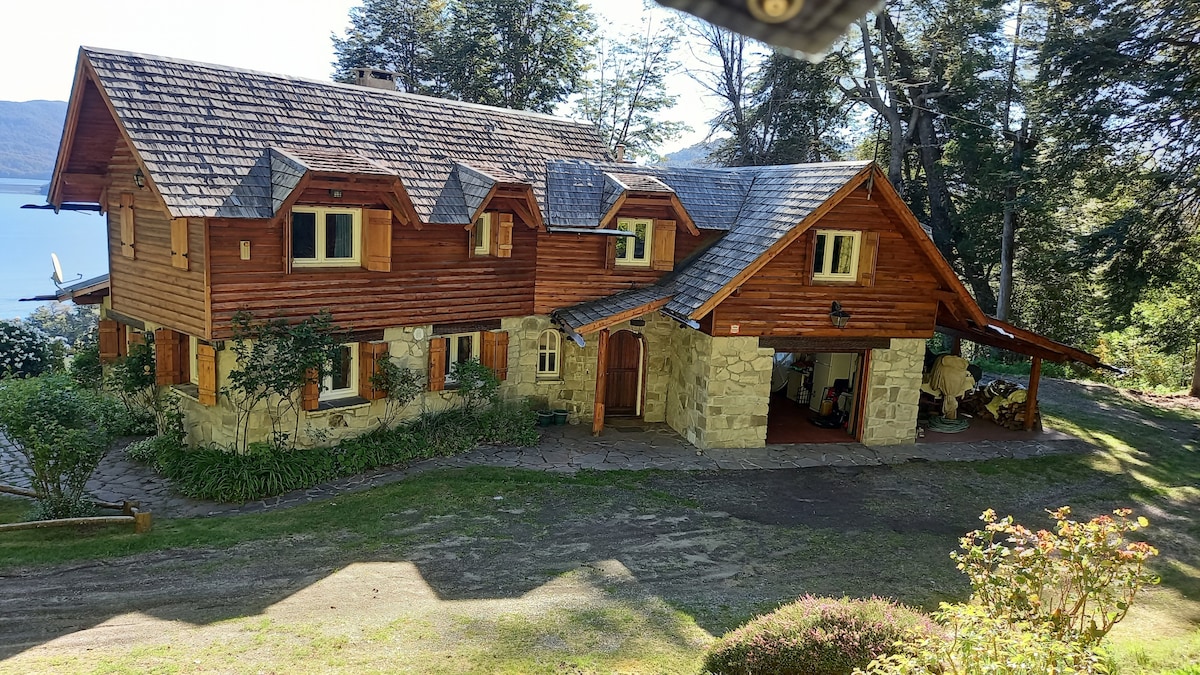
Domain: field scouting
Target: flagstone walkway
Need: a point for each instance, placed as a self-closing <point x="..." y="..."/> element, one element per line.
<point x="564" y="449"/>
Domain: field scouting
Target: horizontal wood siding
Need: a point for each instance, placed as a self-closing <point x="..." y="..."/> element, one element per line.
<point x="148" y="286"/>
<point x="570" y="268"/>
<point x="781" y="299"/>
<point x="433" y="280"/>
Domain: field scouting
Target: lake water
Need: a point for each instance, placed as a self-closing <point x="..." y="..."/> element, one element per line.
<point x="28" y="237"/>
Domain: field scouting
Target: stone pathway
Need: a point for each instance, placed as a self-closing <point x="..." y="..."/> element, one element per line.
<point x="565" y="449"/>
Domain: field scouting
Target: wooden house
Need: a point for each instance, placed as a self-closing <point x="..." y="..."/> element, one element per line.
<point x="438" y="231"/>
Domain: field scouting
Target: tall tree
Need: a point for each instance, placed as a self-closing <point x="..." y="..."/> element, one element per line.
<point x="625" y="95"/>
<point x="523" y="54"/>
<point x="729" y="60"/>
<point x="403" y="36"/>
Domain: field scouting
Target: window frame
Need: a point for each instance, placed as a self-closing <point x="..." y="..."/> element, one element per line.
<point x="320" y="212"/>
<point x="330" y="394"/>
<point x="194" y="360"/>
<point x="483" y="234"/>
<point x="545" y="350"/>
<point x="827" y="258"/>
<point x="452" y="354"/>
<point x="629" y="260"/>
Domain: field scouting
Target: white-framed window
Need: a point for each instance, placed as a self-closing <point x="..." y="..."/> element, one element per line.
<point x="549" y="351"/>
<point x="326" y="237"/>
<point x="193" y="360"/>
<point x="460" y="348"/>
<point x="342" y="379"/>
<point x="483" y="234"/>
<point x="634" y="251"/>
<point x="836" y="255"/>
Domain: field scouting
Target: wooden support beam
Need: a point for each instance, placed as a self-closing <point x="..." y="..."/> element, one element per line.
<point x="601" y="383"/>
<point x="956" y="346"/>
<point x="1031" y="406"/>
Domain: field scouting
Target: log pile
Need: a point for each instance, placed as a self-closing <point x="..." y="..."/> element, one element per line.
<point x="1000" y="402"/>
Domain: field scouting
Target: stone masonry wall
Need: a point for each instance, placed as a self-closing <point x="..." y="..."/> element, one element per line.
<point x="893" y="389"/>
<point x="720" y="390"/>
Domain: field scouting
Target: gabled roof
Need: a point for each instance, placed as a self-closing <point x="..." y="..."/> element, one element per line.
<point x="203" y="132"/>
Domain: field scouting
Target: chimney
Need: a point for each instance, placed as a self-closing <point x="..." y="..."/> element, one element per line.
<point x="620" y="153"/>
<point x="375" y="78"/>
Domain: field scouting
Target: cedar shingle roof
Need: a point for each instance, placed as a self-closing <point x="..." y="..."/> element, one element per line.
<point x="204" y="132"/>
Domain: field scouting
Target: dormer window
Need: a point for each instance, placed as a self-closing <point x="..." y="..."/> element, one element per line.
<point x="835" y="257"/>
<point x="634" y="251"/>
<point x="326" y="237"/>
<point x="483" y="235"/>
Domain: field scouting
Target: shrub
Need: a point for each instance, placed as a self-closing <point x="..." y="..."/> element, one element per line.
<point x="63" y="433"/>
<point x="403" y="386"/>
<point x="133" y="380"/>
<point x="477" y="384"/>
<point x="509" y="423"/>
<point x="25" y="351"/>
<point x="213" y="472"/>
<point x="85" y="367"/>
<point x="816" y="636"/>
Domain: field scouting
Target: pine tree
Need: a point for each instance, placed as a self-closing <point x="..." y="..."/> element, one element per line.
<point x="403" y="36"/>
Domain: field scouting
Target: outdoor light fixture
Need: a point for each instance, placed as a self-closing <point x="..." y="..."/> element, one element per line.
<point x="838" y="316"/>
<point x="139" y="178"/>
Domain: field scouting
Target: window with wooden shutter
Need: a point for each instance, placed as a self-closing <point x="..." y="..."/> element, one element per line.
<point x="437" y="364"/>
<point x="126" y="217"/>
<point x="109" y="350"/>
<point x="663" y="248"/>
<point x="494" y="353"/>
<point x="179" y="243"/>
<point x="206" y="374"/>
<point x="377" y="240"/>
<point x="370" y="354"/>
<point x="504" y="235"/>
<point x="184" y="346"/>
<point x="166" y="356"/>
<point x="310" y="393"/>
<point x="867" y="257"/>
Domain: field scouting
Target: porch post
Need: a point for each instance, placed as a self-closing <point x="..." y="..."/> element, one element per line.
<point x="1031" y="406"/>
<point x="601" y="383"/>
<point x="956" y="346"/>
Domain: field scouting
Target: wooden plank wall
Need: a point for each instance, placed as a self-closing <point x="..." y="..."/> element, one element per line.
<point x="433" y="279"/>
<point x="570" y="268"/>
<point x="781" y="299"/>
<point x="148" y="287"/>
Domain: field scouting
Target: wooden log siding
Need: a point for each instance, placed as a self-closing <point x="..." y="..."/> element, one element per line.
<point x="148" y="286"/>
<point x="893" y="296"/>
<point x="432" y="280"/>
<point x="571" y="268"/>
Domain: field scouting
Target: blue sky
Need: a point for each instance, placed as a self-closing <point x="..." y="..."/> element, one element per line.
<point x="281" y="36"/>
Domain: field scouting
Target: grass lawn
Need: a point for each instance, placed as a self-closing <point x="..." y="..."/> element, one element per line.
<point x="501" y="571"/>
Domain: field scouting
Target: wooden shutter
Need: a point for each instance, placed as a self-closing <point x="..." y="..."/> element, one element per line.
<point x="179" y="243"/>
<point x="868" y="253"/>
<point x="122" y="340"/>
<point x="377" y="240"/>
<point x="127" y="224"/>
<point x="109" y="351"/>
<point x="504" y="235"/>
<point x="500" y="355"/>
<point x="166" y="357"/>
<point x="206" y="372"/>
<point x="135" y="338"/>
<point x="310" y="394"/>
<point x="437" y="363"/>
<point x="662" y="250"/>
<point x="369" y="356"/>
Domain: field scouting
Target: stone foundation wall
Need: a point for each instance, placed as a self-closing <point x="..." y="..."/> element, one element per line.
<point x="893" y="390"/>
<point x="720" y="390"/>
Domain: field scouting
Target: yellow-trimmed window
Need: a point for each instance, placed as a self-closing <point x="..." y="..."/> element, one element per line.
<point x="326" y="237"/>
<point x="342" y="379"/>
<point x="634" y="251"/>
<point x="483" y="234"/>
<point x="835" y="256"/>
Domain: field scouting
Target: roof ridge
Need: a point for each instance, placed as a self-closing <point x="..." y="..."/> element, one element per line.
<point x="338" y="85"/>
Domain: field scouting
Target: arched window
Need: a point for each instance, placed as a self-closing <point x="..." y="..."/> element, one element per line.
<point x="549" y="350"/>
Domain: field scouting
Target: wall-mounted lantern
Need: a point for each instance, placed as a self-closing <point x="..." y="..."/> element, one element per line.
<point x="139" y="178"/>
<point x="838" y="316"/>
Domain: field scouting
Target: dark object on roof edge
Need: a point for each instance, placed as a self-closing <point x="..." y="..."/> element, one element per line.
<point x="810" y="32"/>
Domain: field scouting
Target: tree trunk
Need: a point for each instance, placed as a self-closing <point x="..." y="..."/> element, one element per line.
<point x="1008" y="239"/>
<point x="1196" y="374"/>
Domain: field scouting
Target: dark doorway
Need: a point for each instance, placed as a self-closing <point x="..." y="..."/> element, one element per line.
<point x="624" y="389"/>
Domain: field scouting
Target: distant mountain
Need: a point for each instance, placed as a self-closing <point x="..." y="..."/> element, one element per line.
<point x="29" y="136"/>
<point x="693" y="155"/>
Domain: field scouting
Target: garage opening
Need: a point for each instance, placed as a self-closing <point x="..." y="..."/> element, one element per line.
<point x="815" y="397"/>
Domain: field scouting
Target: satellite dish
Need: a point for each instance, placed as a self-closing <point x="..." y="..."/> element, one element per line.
<point x="57" y="276"/>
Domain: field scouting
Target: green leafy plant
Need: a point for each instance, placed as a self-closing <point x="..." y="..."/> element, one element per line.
<point x="403" y="386"/>
<point x="63" y="433"/>
<point x="133" y="380"/>
<point x="477" y="384"/>
<point x="25" y="351"/>
<point x="817" y="636"/>
<point x="275" y="359"/>
<point x="85" y="367"/>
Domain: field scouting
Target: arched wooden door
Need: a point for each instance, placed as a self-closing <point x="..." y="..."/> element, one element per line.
<point x="624" y="388"/>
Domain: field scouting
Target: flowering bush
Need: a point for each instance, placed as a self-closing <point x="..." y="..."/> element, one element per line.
<point x="817" y="636"/>
<point x="25" y="351"/>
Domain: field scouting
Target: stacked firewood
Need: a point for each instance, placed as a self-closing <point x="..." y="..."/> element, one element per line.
<point x="1000" y="402"/>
